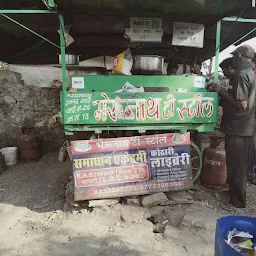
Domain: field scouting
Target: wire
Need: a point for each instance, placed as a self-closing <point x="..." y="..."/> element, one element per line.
<point x="62" y="29"/>
<point x="24" y="51"/>
<point x="233" y="25"/>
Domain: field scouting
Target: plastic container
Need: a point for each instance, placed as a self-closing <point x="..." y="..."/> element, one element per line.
<point x="226" y="224"/>
<point x="10" y="155"/>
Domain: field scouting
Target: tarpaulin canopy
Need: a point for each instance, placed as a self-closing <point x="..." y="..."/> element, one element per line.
<point x="98" y="27"/>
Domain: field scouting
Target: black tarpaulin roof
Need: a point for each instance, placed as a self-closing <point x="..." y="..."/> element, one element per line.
<point x="98" y="27"/>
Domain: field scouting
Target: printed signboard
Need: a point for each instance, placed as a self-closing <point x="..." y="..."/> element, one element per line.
<point x="107" y="168"/>
<point x="188" y="34"/>
<point x="143" y="108"/>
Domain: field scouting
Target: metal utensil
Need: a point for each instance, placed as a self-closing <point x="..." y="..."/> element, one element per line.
<point x="89" y="70"/>
<point x="71" y="59"/>
<point x="148" y="64"/>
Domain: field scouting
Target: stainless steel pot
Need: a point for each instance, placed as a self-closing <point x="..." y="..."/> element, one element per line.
<point x="71" y="59"/>
<point x="148" y="65"/>
<point x="78" y="70"/>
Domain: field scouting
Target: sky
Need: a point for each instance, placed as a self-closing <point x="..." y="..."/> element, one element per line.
<point x="226" y="53"/>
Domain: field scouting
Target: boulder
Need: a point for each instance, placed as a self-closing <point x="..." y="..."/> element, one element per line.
<point x="103" y="202"/>
<point x="154" y="199"/>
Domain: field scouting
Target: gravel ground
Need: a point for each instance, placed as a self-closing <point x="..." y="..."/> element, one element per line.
<point x="33" y="221"/>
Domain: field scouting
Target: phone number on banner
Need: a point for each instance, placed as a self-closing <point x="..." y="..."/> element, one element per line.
<point x="131" y="188"/>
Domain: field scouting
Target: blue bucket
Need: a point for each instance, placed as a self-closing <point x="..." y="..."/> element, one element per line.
<point x="224" y="225"/>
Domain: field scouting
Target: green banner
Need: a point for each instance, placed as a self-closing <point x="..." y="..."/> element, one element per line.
<point x="108" y="108"/>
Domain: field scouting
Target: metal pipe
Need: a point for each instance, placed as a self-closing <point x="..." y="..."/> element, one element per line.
<point x="63" y="53"/>
<point x="237" y="41"/>
<point x="236" y="19"/>
<point x="186" y="62"/>
<point x="49" y="3"/>
<point x="30" y="30"/>
<point x="27" y="11"/>
<point x="216" y="71"/>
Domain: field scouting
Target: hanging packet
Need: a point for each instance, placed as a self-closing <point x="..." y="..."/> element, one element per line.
<point x="123" y="63"/>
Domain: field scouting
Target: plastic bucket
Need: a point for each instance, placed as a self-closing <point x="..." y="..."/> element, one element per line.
<point x="10" y="155"/>
<point x="226" y="224"/>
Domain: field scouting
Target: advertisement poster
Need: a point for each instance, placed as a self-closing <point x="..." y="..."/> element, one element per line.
<point x="107" y="168"/>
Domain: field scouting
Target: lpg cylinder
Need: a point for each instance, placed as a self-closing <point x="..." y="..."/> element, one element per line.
<point x="29" y="145"/>
<point x="214" y="172"/>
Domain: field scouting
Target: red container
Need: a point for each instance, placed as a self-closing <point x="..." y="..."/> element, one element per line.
<point x="214" y="172"/>
<point x="29" y="145"/>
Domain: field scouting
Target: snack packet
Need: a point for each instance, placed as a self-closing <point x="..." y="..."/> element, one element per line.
<point x="123" y="63"/>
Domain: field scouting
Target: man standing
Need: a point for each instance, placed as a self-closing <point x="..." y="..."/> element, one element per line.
<point x="227" y="69"/>
<point x="172" y="68"/>
<point x="238" y="123"/>
<point x="195" y="68"/>
<point x="252" y="173"/>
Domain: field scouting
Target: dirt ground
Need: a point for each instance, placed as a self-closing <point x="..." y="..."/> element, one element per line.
<point x="33" y="222"/>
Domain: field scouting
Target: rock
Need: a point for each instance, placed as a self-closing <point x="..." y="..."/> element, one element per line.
<point x="9" y="100"/>
<point x="84" y="211"/>
<point x="135" y="201"/>
<point x="201" y="217"/>
<point x="159" y="228"/>
<point x="174" y="216"/>
<point x="172" y="232"/>
<point x="176" y="220"/>
<point x="154" y="211"/>
<point x="117" y="207"/>
<point x="111" y="229"/>
<point x="191" y="192"/>
<point x="103" y="202"/>
<point x="176" y="193"/>
<point x="69" y="193"/>
<point x="154" y="199"/>
<point x="160" y="237"/>
<point x="70" y="238"/>
<point x="132" y="214"/>
<point x="98" y="211"/>
<point x="199" y="196"/>
<point x="84" y="204"/>
<point x="71" y="186"/>
<point x="165" y="216"/>
<point x="172" y="202"/>
<point x="69" y="196"/>
<point x="181" y="201"/>
<point x="158" y="218"/>
<point x="67" y="207"/>
<point x="38" y="207"/>
<point x="179" y="196"/>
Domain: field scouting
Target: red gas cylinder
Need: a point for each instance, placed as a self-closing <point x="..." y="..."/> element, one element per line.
<point x="214" y="172"/>
<point x="29" y="145"/>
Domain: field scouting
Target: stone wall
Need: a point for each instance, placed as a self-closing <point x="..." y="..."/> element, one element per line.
<point x="22" y="105"/>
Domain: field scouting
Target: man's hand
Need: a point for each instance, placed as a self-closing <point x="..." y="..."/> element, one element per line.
<point x="217" y="88"/>
<point x="225" y="95"/>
